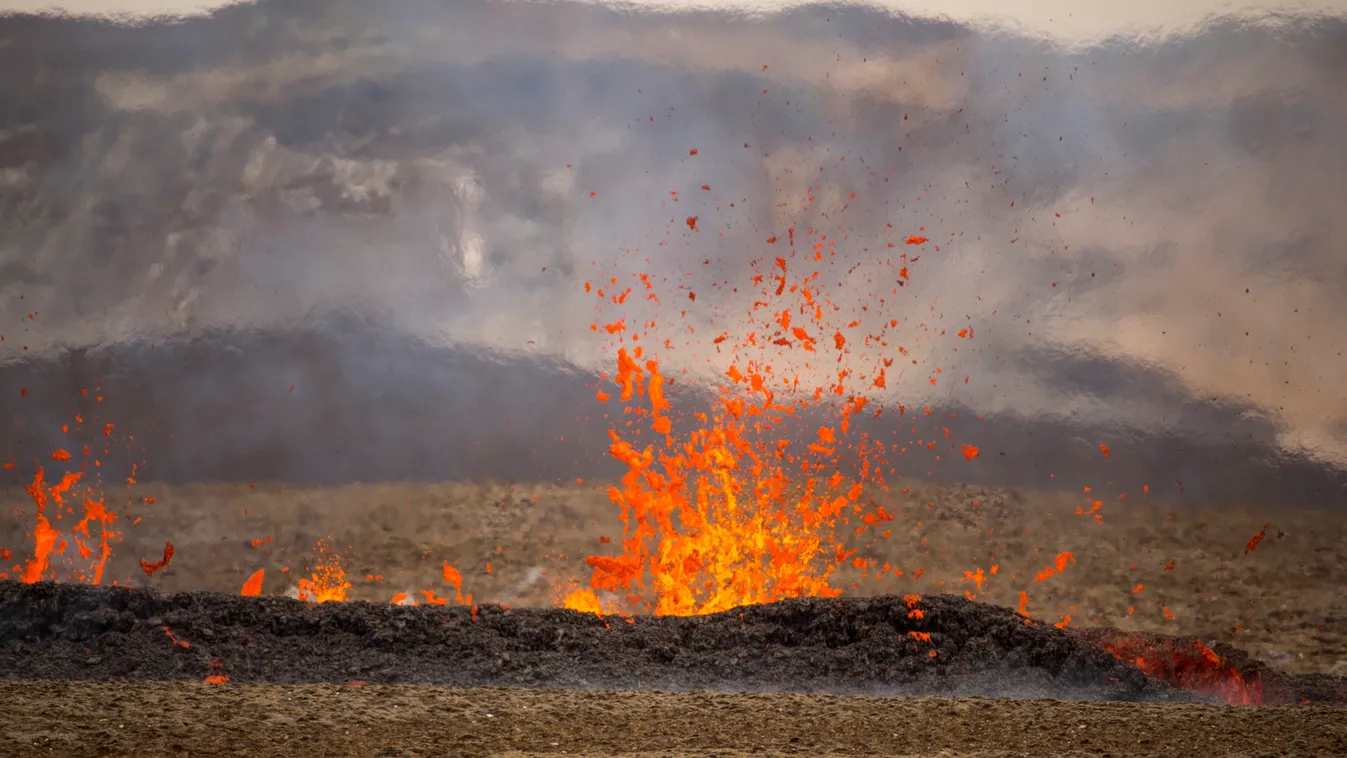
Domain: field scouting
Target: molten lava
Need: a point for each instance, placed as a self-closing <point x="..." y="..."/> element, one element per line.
<point x="1187" y="664"/>
<point x="452" y="576"/>
<point x="328" y="582"/>
<point x="47" y="539"/>
<point x="253" y="587"/>
<point x="717" y="523"/>
<point x="727" y="512"/>
<point x="149" y="567"/>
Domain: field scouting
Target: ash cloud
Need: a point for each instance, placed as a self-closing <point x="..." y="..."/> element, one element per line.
<point x="394" y="205"/>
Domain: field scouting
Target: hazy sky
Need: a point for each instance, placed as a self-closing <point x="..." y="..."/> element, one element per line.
<point x="1063" y="19"/>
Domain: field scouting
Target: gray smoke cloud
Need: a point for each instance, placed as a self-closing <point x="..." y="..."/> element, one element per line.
<point x="1144" y="234"/>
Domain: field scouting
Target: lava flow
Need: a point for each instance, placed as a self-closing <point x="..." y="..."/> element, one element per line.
<point x="1187" y="664"/>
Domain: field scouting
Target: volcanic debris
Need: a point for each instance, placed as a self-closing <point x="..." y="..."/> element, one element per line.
<point x="940" y="645"/>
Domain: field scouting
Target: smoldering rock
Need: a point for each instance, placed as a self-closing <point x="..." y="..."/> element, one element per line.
<point x="844" y="646"/>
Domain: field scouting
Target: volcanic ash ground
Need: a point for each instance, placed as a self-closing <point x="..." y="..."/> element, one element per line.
<point x="938" y="645"/>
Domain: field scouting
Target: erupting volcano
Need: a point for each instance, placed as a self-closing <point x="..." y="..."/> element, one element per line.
<point x="758" y="499"/>
<point x="525" y="378"/>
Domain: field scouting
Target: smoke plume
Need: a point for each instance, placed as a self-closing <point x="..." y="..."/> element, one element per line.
<point x="394" y="208"/>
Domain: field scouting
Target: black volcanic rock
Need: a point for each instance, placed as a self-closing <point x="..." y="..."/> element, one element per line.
<point x="844" y="646"/>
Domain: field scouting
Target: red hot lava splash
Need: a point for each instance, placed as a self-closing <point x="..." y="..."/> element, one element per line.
<point x="729" y="512"/>
<point x="1183" y="663"/>
<point x="48" y="541"/>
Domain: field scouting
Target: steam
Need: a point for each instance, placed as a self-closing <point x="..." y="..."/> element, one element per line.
<point x="1145" y="235"/>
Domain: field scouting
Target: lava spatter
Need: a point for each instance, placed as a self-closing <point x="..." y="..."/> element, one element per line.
<point x="1185" y="663"/>
<point x="327" y="582"/>
<point x="48" y="541"/>
<point x="729" y="511"/>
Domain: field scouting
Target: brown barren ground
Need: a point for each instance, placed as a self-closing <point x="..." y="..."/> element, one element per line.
<point x="1281" y="602"/>
<point x="148" y="719"/>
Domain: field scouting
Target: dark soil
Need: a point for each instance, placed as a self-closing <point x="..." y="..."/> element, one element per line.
<point x="847" y="646"/>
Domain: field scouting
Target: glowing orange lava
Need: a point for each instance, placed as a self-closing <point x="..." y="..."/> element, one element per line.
<point x="149" y="567"/>
<point x="1188" y="664"/>
<point x="717" y="523"/>
<point x="728" y="512"/>
<point x="253" y="587"/>
<point x="452" y="576"/>
<point x="327" y="583"/>
<point x="48" y="541"/>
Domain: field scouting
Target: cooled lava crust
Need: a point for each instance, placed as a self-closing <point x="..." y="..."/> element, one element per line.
<point x="843" y="646"/>
<point x="71" y="631"/>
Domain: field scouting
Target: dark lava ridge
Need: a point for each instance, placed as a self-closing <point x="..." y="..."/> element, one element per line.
<point x="873" y="646"/>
